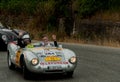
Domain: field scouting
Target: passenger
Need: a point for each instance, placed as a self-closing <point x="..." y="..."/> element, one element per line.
<point x="45" y="41"/>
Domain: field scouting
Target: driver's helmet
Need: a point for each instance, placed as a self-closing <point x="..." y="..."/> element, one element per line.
<point x="26" y="39"/>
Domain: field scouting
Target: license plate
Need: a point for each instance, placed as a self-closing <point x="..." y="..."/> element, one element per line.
<point x="52" y="58"/>
<point x="55" y="67"/>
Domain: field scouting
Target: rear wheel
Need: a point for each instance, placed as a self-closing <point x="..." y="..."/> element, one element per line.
<point x="10" y="64"/>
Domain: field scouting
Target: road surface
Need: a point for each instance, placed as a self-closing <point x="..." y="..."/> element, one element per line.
<point x="95" y="64"/>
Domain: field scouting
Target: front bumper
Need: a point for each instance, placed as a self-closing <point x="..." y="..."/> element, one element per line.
<point x="51" y="69"/>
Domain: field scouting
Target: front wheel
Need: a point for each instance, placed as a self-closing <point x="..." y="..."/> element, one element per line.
<point x="10" y="64"/>
<point x="70" y="74"/>
<point x="26" y="72"/>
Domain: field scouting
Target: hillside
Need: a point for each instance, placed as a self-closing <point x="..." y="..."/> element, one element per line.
<point x="84" y="21"/>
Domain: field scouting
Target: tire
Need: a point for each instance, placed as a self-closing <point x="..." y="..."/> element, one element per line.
<point x="70" y="74"/>
<point x="26" y="72"/>
<point x="4" y="46"/>
<point x="10" y="64"/>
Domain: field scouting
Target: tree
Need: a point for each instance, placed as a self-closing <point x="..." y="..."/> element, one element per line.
<point x="63" y="9"/>
<point x="89" y="7"/>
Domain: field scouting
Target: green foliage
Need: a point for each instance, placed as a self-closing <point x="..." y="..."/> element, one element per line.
<point x="61" y="8"/>
<point x="114" y="5"/>
<point x="19" y="6"/>
<point x="89" y="7"/>
<point x="46" y="13"/>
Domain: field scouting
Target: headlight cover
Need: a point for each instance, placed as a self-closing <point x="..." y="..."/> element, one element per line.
<point x="4" y="37"/>
<point x="34" y="61"/>
<point x="73" y="60"/>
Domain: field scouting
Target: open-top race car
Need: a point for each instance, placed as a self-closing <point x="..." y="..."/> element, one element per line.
<point x="41" y="60"/>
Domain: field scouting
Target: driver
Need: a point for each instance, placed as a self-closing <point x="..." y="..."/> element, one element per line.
<point x="23" y="39"/>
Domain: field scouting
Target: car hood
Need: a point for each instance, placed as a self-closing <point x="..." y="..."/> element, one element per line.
<point x="43" y="52"/>
<point x="46" y="50"/>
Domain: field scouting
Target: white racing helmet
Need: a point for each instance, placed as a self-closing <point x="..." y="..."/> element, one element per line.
<point x="26" y="36"/>
<point x="26" y="39"/>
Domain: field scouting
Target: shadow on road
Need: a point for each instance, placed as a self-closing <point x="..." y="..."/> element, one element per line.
<point x="43" y="77"/>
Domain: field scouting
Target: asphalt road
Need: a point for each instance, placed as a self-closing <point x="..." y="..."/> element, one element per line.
<point x="95" y="64"/>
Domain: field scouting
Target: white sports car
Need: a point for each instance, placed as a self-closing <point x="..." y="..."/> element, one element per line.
<point x="42" y="60"/>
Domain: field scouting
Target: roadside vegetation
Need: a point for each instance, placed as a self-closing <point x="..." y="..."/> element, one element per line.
<point x="83" y="21"/>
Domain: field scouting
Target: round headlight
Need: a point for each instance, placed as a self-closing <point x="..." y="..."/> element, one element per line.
<point x="4" y="37"/>
<point x="34" y="61"/>
<point x="73" y="60"/>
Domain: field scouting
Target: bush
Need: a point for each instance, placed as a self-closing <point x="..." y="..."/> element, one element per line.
<point x="89" y="7"/>
<point x="18" y="6"/>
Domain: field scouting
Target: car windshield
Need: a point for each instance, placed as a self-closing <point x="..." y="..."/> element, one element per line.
<point x="39" y="44"/>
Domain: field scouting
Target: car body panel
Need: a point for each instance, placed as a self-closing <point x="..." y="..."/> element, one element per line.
<point x="50" y="59"/>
